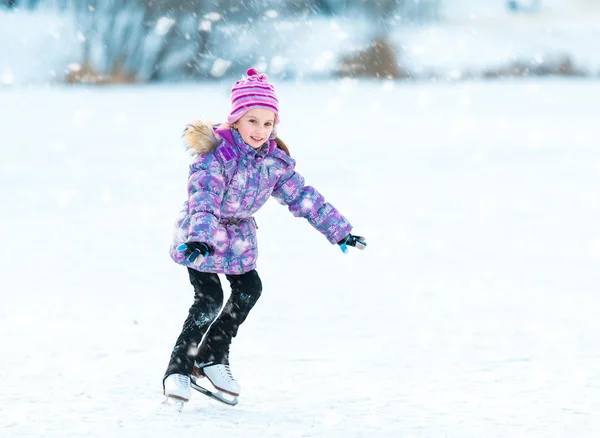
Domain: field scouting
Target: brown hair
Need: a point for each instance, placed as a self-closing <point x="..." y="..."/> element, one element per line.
<point x="281" y="145"/>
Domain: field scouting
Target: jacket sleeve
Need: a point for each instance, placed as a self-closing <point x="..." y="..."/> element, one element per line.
<point x="305" y="201"/>
<point x="205" y="194"/>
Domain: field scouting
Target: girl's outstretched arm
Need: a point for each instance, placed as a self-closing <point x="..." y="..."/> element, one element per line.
<point x="305" y="201"/>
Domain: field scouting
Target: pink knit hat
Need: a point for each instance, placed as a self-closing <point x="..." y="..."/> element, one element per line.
<point x="252" y="92"/>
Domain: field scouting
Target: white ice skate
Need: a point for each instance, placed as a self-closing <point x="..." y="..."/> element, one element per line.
<point x="221" y="378"/>
<point x="177" y="387"/>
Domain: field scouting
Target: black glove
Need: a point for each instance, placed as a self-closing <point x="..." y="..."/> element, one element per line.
<point x="195" y="252"/>
<point x="358" y="242"/>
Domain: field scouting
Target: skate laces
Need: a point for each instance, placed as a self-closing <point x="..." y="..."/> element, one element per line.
<point x="181" y="380"/>
<point x="228" y="372"/>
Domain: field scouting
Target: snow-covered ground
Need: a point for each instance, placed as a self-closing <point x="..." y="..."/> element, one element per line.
<point x="472" y="313"/>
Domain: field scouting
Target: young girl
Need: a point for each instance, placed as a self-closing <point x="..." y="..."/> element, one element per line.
<point x="237" y="167"/>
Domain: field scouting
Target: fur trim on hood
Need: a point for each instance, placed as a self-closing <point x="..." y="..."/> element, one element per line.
<point x="199" y="137"/>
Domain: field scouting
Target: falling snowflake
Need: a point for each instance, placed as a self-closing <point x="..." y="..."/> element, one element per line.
<point x="213" y="16"/>
<point x="163" y="25"/>
<point x="205" y="26"/>
<point x="219" y="67"/>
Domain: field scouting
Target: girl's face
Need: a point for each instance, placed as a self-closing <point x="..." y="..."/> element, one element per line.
<point x="256" y="126"/>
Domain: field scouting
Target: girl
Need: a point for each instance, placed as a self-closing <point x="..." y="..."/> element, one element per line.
<point x="237" y="166"/>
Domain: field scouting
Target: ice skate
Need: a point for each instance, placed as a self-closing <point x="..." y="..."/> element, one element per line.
<point x="220" y="377"/>
<point x="176" y="388"/>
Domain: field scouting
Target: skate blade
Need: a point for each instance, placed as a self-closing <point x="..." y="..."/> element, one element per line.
<point x="173" y="403"/>
<point x="220" y="396"/>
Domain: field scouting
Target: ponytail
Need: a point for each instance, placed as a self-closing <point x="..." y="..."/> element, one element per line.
<point x="281" y="145"/>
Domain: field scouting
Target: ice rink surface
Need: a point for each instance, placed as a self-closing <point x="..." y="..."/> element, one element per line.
<point x="472" y="313"/>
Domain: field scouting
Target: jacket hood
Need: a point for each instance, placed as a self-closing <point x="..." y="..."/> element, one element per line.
<point x="199" y="137"/>
<point x="202" y="136"/>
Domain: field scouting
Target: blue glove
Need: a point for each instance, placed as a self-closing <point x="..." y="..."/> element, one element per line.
<point x="358" y="242"/>
<point x="195" y="252"/>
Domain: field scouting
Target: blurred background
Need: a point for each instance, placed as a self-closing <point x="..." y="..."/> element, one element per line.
<point x="147" y="41"/>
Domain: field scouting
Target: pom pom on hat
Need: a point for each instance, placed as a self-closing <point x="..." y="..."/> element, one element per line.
<point x="252" y="92"/>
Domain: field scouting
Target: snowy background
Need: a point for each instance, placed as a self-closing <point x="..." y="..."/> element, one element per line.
<point x="473" y="311"/>
<point x="446" y="40"/>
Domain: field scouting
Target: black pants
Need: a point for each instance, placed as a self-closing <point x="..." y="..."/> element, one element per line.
<point x="208" y="299"/>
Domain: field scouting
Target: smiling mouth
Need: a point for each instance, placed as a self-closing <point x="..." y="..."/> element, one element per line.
<point x="256" y="139"/>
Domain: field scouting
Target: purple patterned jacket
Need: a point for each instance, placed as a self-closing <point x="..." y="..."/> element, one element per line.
<point x="228" y="182"/>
